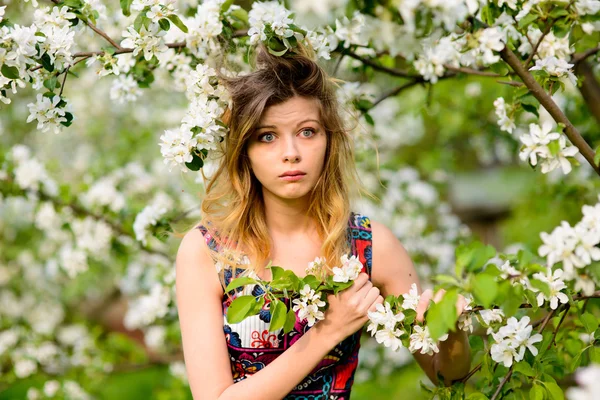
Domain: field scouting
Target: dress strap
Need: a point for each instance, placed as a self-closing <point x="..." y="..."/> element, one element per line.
<point x="360" y="238"/>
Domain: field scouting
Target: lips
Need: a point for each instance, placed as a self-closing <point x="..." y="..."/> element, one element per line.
<point x="292" y="173"/>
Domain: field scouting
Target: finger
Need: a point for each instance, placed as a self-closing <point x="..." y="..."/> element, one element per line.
<point x="370" y="297"/>
<point x="359" y="282"/>
<point x="439" y="295"/>
<point x="460" y="304"/>
<point x="362" y="292"/>
<point x="423" y="304"/>
<point x="378" y="300"/>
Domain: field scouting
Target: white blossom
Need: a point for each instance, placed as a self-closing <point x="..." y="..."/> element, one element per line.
<point x="47" y="113"/>
<point x="389" y="337"/>
<point x="149" y="41"/>
<point x="411" y="299"/>
<point x="72" y="260"/>
<point x="588" y="381"/>
<point x="349" y="271"/>
<point x="315" y="266"/>
<point x="148" y="217"/>
<point x="512" y="340"/>
<point x="506" y="123"/>
<point x="421" y="340"/>
<point x="350" y="31"/>
<point x="555" y="67"/>
<point x="147" y="308"/>
<point x="556" y="286"/>
<point x="125" y="89"/>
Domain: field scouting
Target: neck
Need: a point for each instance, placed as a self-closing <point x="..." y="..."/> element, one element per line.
<point x="287" y="217"/>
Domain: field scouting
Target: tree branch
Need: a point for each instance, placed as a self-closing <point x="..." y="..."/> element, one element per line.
<point x="548" y="103"/>
<point x="579" y="57"/>
<point x="98" y="31"/>
<point x="589" y="88"/>
<point x="568" y="306"/>
<point x="506" y="378"/>
<point x="537" y="45"/>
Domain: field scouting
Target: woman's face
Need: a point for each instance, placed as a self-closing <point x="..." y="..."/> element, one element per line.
<point x="287" y="150"/>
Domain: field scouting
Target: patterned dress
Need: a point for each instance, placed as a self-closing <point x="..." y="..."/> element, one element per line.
<point x="251" y="346"/>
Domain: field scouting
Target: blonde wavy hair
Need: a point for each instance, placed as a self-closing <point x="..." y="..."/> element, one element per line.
<point x="233" y="208"/>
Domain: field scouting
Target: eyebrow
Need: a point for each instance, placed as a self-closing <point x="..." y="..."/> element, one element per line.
<point x="299" y="123"/>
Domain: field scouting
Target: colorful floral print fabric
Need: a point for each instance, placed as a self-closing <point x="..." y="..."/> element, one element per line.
<point x="252" y="347"/>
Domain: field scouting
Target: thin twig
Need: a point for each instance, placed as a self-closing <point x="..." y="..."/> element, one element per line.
<point x="506" y="378"/>
<point x="567" y="307"/>
<point x="396" y="91"/>
<point x="472" y="372"/>
<point x="98" y="31"/>
<point x="472" y="71"/>
<point x="548" y="103"/>
<point x="537" y="45"/>
<point x="62" y="87"/>
<point x="378" y="67"/>
<point x="511" y="83"/>
<point x="579" y="57"/>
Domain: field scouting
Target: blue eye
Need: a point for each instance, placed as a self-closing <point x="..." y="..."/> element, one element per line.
<point x="312" y="132"/>
<point x="270" y="137"/>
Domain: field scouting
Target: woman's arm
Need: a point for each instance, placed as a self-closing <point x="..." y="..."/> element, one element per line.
<point x="394" y="272"/>
<point x="207" y="363"/>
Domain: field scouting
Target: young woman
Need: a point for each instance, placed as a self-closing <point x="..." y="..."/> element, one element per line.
<point x="283" y="194"/>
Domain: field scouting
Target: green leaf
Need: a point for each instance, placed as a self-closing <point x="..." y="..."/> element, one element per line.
<point x="276" y="272"/>
<point x="10" y="72"/>
<point x="441" y="317"/>
<point x="239" y="308"/>
<point x="595" y="354"/>
<point x="178" y="23"/>
<point x="537" y="392"/>
<point x="524" y="368"/>
<point x="258" y="305"/>
<point x="225" y="6"/>
<point x="196" y="163"/>
<point x="164" y="24"/>
<point x="558" y="12"/>
<point x="69" y="120"/>
<point x="472" y="257"/>
<point x="477" y="396"/>
<point x="108" y="50"/>
<point x="278" y="315"/>
<point x="50" y="83"/>
<point x="311" y="281"/>
<point x="485" y="289"/>
<point x="556" y="393"/>
<point x="527" y="20"/>
<point x="290" y="321"/>
<point x="125" y="4"/>
<point x="590" y="323"/>
<point x="540" y="285"/>
<point x="597" y="156"/>
<point x="236" y="283"/>
<point x="277" y="53"/>
<point x="47" y="63"/>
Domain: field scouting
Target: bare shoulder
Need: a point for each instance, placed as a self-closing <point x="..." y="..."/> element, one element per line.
<point x="393" y="270"/>
<point x="194" y="263"/>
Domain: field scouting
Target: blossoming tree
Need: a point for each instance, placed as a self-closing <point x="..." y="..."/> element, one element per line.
<point x="532" y="313"/>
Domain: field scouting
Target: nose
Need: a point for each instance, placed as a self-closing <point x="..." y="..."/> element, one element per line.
<point x="291" y="153"/>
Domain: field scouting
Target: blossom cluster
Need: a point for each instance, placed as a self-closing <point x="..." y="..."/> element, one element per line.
<point x="308" y="306"/>
<point x="574" y="247"/>
<point x="547" y="147"/>
<point x="201" y="129"/>
<point x="512" y="340"/>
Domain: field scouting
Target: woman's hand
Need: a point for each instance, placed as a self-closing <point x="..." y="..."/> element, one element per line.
<point x="428" y="295"/>
<point x="348" y="310"/>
